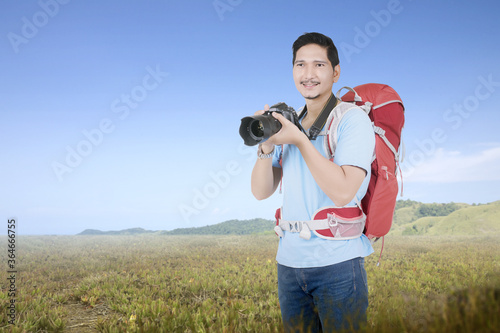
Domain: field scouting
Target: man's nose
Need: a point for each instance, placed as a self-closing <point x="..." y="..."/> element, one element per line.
<point x="309" y="72"/>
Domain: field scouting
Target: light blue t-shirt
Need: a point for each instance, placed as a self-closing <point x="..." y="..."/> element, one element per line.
<point x="302" y="197"/>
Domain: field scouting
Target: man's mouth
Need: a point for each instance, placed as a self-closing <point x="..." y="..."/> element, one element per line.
<point x="310" y="84"/>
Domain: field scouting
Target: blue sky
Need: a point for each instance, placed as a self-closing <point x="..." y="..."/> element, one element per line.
<point x="125" y="114"/>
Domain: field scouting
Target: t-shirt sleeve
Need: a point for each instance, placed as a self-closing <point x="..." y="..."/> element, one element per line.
<point x="277" y="156"/>
<point x="356" y="140"/>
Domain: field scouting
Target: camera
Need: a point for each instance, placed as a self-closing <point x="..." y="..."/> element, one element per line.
<point x="257" y="129"/>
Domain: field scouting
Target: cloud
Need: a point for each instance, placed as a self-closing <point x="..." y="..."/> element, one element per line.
<point x="454" y="166"/>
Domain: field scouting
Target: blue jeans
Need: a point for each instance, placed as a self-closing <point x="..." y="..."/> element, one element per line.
<point x="323" y="299"/>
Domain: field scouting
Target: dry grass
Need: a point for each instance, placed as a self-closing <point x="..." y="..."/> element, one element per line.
<point x="154" y="283"/>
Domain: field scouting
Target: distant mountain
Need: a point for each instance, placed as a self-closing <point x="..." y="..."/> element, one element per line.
<point x="132" y="231"/>
<point x="410" y="218"/>
<point x="232" y="227"/>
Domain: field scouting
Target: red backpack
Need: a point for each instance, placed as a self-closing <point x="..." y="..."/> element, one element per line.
<point x="386" y="111"/>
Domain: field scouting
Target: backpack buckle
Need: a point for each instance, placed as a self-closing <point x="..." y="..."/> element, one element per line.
<point x="332" y="220"/>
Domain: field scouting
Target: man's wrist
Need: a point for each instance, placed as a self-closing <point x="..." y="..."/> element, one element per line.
<point x="263" y="154"/>
<point x="265" y="148"/>
<point x="302" y="141"/>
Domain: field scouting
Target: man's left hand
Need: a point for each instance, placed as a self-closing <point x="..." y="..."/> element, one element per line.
<point x="288" y="134"/>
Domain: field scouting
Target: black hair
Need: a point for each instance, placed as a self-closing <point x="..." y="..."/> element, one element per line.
<point x="319" y="39"/>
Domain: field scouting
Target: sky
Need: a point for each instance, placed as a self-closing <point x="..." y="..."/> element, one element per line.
<point x="125" y="114"/>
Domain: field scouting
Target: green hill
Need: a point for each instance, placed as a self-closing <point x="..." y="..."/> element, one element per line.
<point x="232" y="227"/>
<point x="405" y="215"/>
<point x="475" y="220"/>
<point x="408" y="211"/>
<point x="464" y="220"/>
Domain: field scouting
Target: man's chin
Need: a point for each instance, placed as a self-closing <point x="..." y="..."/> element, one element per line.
<point x="311" y="97"/>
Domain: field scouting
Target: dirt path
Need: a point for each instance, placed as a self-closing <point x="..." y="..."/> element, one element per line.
<point x="82" y="318"/>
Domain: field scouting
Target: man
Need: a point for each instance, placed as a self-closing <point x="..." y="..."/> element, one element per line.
<point x="321" y="282"/>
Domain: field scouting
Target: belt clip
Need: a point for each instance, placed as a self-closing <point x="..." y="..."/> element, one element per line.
<point x="305" y="233"/>
<point x="279" y="231"/>
<point x="333" y="223"/>
<point x="332" y="220"/>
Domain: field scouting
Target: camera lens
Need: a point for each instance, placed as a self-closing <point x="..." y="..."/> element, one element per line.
<point x="257" y="129"/>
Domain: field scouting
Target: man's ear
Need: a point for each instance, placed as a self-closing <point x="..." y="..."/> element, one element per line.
<point x="336" y="73"/>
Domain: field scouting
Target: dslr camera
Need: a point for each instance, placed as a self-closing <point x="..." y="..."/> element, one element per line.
<point x="257" y="129"/>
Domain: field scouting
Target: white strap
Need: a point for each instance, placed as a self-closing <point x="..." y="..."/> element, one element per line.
<point x="356" y="96"/>
<point x="381" y="132"/>
<point x="367" y="107"/>
<point x="388" y="102"/>
<point x="357" y="202"/>
<point x="323" y="132"/>
<point x="403" y="148"/>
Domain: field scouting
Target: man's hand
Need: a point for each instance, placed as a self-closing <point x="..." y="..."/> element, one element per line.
<point x="288" y="134"/>
<point x="265" y="177"/>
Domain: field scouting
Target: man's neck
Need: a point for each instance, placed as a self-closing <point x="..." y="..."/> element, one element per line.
<point x="315" y="106"/>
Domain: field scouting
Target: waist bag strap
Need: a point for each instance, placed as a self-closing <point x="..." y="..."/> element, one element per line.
<point x="337" y="227"/>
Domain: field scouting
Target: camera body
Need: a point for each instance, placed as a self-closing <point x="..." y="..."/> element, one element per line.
<point x="257" y="129"/>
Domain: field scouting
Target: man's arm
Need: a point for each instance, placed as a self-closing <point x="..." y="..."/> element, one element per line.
<point x="265" y="177"/>
<point x="339" y="183"/>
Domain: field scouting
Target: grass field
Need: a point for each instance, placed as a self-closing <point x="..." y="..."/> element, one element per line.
<point x="154" y="283"/>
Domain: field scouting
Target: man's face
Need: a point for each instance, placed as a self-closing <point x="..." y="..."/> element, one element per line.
<point x="313" y="73"/>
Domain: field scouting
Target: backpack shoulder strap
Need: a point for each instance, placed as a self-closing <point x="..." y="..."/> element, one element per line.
<point x="332" y="123"/>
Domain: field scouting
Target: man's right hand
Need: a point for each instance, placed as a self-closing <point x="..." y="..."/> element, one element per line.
<point x="265" y="179"/>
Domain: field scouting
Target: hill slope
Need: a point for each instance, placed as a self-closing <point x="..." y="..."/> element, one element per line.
<point x="466" y="220"/>
<point x="232" y="227"/>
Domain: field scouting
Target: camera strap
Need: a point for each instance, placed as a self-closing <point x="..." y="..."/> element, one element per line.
<point x="320" y="121"/>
